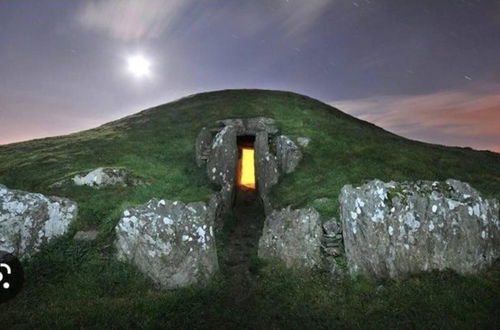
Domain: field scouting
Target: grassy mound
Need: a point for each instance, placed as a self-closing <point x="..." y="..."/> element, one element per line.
<point x="73" y="283"/>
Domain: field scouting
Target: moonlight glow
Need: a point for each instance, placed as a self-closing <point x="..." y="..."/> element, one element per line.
<point x="139" y="66"/>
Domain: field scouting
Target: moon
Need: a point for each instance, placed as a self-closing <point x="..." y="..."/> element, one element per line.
<point x="139" y="66"/>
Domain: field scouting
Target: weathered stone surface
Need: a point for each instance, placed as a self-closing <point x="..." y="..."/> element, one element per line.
<point x="170" y="241"/>
<point x="293" y="236"/>
<point x="88" y="235"/>
<point x="392" y="229"/>
<point x="202" y="146"/>
<point x="266" y="169"/>
<point x="303" y="141"/>
<point x="332" y="246"/>
<point x="332" y="228"/>
<point x="101" y="177"/>
<point x="288" y="154"/>
<point x="216" y="209"/>
<point x="222" y="161"/>
<point x="28" y="220"/>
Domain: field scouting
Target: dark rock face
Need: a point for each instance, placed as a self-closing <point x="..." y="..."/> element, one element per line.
<point x="222" y="162"/>
<point x="292" y="236"/>
<point x="202" y="146"/>
<point x="266" y="169"/>
<point x="27" y="220"/>
<point x="216" y="209"/>
<point x="332" y="246"/>
<point x="170" y="241"/>
<point x="392" y="229"/>
<point x="288" y="154"/>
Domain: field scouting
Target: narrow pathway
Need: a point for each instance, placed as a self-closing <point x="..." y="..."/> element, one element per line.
<point x="243" y="237"/>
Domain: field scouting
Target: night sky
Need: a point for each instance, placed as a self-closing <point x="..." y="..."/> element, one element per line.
<point x="427" y="70"/>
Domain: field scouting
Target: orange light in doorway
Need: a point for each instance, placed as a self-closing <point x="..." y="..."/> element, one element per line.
<point x="247" y="174"/>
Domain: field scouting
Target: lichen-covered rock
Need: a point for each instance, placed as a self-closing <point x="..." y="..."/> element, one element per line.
<point x="170" y="241"/>
<point x="392" y="229"/>
<point x="221" y="166"/>
<point x="303" y="141"/>
<point x="293" y="236"/>
<point x="266" y="169"/>
<point x="288" y="154"/>
<point x="101" y="177"/>
<point x="27" y="220"/>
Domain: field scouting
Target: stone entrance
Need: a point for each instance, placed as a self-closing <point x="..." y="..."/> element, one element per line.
<point x="221" y="148"/>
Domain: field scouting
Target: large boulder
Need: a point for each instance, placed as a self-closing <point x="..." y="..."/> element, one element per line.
<point x="288" y="154"/>
<point x="27" y="220"/>
<point x="170" y="241"/>
<point x="292" y="236"/>
<point x="392" y="229"/>
<point x="221" y="166"/>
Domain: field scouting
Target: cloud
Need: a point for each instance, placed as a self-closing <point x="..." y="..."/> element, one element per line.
<point x="146" y="19"/>
<point x="131" y="19"/>
<point x="299" y="16"/>
<point x="455" y="117"/>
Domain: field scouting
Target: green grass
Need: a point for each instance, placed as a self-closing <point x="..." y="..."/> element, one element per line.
<point x="72" y="284"/>
<point x="80" y="285"/>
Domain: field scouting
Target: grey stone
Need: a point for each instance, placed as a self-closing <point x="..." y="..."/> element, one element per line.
<point x="222" y="161"/>
<point x="292" y="236"/>
<point x="266" y="169"/>
<point x="333" y="251"/>
<point x="27" y="220"/>
<point x="288" y="154"/>
<point x="303" y="141"/>
<point x="393" y="229"/>
<point x="101" y="177"/>
<point x="202" y="146"/>
<point x="332" y="227"/>
<point x="170" y="241"/>
<point x="89" y="235"/>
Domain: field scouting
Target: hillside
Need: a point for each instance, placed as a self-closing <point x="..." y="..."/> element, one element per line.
<point x="157" y="145"/>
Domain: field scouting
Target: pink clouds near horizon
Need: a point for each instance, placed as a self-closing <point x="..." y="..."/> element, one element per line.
<point x="454" y="117"/>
